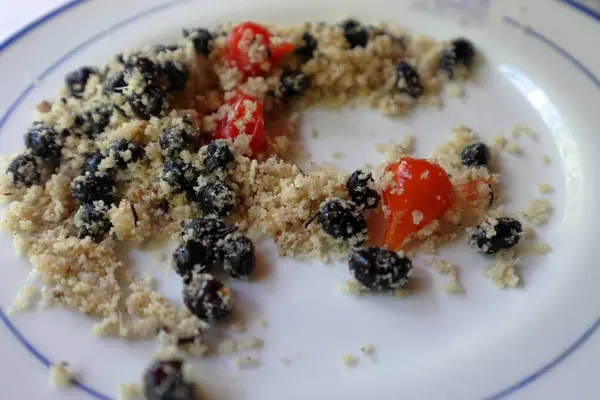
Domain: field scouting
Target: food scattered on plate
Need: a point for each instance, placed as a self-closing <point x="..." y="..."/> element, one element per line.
<point x="191" y="142"/>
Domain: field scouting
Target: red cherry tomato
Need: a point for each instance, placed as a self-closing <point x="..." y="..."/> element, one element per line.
<point x="250" y="35"/>
<point x="246" y="115"/>
<point x="419" y="194"/>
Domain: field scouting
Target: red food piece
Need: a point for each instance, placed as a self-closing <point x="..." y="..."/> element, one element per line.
<point x="246" y="114"/>
<point x="419" y="194"/>
<point x="249" y="48"/>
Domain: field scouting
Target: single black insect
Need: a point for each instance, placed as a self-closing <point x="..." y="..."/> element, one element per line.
<point x="408" y="80"/>
<point x="218" y="157"/>
<point x="164" y="380"/>
<point x="207" y="227"/>
<point x="293" y="84"/>
<point x="179" y="175"/>
<point x="43" y="142"/>
<point x="379" y="268"/>
<point x="307" y="51"/>
<point x="92" y="220"/>
<point x="150" y="102"/>
<point x="195" y="256"/>
<point x="92" y="161"/>
<point x="93" y="187"/>
<point x="475" y="155"/>
<point x="342" y="220"/>
<point x="361" y="191"/>
<point x="94" y="122"/>
<point x="202" y="39"/>
<point x="207" y="298"/>
<point x="238" y="256"/>
<point x="24" y="170"/>
<point x="177" y="138"/>
<point x="124" y="152"/>
<point x="460" y="53"/>
<point x="76" y="80"/>
<point x="176" y="74"/>
<point x="215" y="198"/>
<point x="115" y="83"/>
<point x="356" y="34"/>
<point x="496" y="235"/>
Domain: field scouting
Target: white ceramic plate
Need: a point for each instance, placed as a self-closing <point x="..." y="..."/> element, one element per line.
<point x="536" y="343"/>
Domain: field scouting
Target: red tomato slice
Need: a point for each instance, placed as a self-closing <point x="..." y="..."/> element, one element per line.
<point x="250" y="34"/>
<point x="420" y="193"/>
<point x="246" y="114"/>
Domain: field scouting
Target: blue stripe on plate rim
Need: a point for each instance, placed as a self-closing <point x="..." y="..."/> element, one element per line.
<point x="578" y="343"/>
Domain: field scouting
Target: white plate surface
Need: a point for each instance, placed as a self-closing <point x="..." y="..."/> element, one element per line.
<point x="539" y="342"/>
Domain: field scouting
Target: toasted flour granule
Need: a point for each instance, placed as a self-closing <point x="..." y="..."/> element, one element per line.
<point x="546" y="160"/>
<point x="367" y="349"/>
<point x="25" y="299"/>
<point x="60" y="375"/>
<point x="242" y="361"/>
<point x="453" y="284"/>
<point x="130" y="391"/>
<point x="537" y="211"/>
<point x="503" y="271"/>
<point x="351" y="287"/>
<point x="349" y="360"/>
<point x="517" y="130"/>
<point x="545" y="188"/>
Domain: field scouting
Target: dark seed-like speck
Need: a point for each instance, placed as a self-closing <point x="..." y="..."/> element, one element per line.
<point x="76" y="80"/>
<point x="176" y="139"/>
<point x="218" y="157"/>
<point x="207" y="227"/>
<point x="408" y="80"/>
<point x="92" y="220"/>
<point x="238" y="256"/>
<point x="361" y="191"/>
<point x="92" y="162"/>
<point x="355" y="33"/>
<point x="307" y="50"/>
<point x="493" y="236"/>
<point x="164" y="380"/>
<point x="202" y="39"/>
<point x="293" y="84"/>
<point x="475" y="155"/>
<point x="93" y="187"/>
<point x="195" y="256"/>
<point x="215" y="198"/>
<point x="124" y="152"/>
<point x="379" y="269"/>
<point x="44" y="142"/>
<point x="207" y="298"/>
<point x="25" y="171"/>
<point x="179" y="175"/>
<point x="177" y="75"/>
<point x="150" y="103"/>
<point x="342" y="220"/>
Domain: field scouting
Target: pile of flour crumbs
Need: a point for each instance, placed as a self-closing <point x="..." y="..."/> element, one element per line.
<point x="184" y="142"/>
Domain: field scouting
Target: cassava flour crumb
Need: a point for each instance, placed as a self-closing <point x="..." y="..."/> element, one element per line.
<point x="453" y="284"/>
<point x="159" y="139"/>
<point x="349" y="360"/>
<point x="537" y="211"/>
<point x="243" y="361"/>
<point x="503" y="272"/>
<point x="60" y="375"/>
<point x="545" y="188"/>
